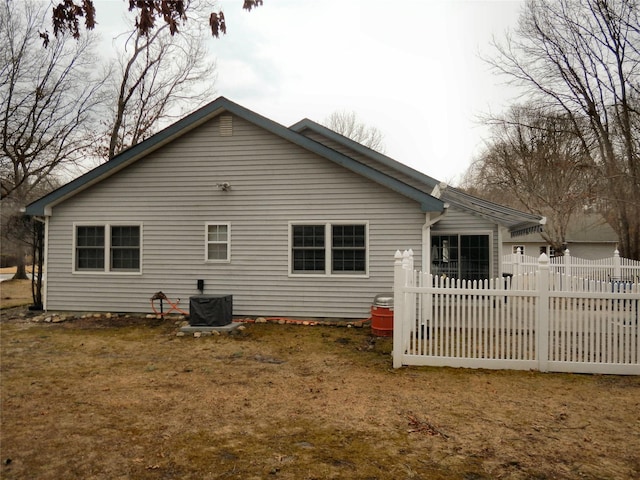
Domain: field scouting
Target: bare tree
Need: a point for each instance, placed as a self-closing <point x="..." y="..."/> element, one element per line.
<point x="349" y="125"/>
<point x="582" y="58"/>
<point x="47" y="99"/>
<point x="160" y="76"/>
<point x="536" y="161"/>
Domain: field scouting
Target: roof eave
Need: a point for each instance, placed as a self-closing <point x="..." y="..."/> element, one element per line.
<point x="307" y="124"/>
<point x="525" y="228"/>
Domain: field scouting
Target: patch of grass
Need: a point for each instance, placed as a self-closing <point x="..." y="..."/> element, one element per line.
<point x="15" y="293"/>
<point x="82" y="399"/>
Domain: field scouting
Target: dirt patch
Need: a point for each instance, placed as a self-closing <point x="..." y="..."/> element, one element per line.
<point x="126" y="398"/>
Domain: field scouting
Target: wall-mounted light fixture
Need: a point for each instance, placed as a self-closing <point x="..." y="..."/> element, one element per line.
<point x="224" y="186"/>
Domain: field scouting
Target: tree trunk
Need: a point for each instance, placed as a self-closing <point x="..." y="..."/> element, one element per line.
<point x="38" y="259"/>
<point x="21" y="272"/>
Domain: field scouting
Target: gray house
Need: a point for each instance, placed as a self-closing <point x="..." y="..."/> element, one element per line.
<point x="589" y="237"/>
<point x="295" y="221"/>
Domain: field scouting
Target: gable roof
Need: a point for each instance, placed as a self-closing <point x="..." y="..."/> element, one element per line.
<point x="44" y="205"/>
<point x="306" y="124"/>
<point x="517" y="222"/>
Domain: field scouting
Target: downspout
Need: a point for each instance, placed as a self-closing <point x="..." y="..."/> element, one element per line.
<point x="426" y="228"/>
<point x="426" y="237"/>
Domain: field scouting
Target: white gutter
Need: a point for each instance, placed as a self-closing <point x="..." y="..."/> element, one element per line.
<point x="426" y="228"/>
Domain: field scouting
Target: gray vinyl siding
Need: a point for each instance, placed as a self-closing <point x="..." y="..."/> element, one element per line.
<point x="172" y="194"/>
<point x="592" y="251"/>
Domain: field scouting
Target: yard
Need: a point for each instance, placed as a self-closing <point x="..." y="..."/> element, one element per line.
<point x="124" y="397"/>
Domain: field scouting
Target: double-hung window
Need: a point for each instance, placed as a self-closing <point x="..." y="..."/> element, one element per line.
<point x="217" y="243"/>
<point x="348" y="249"/>
<point x="329" y="248"/>
<point x="90" y="248"/>
<point x="107" y="248"/>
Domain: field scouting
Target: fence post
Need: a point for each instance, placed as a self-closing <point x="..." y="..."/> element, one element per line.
<point x="617" y="268"/>
<point x="542" y="314"/>
<point x="567" y="263"/>
<point x="407" y="264"/>
<point x="398" y="308"/>
<point x="517" y="260"/>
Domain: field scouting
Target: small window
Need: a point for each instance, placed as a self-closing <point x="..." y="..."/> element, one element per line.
<point x="548" y="250"/>
<point x="217" y="243"/>
<point x="518" y="249"/>
<point x="96" y="243"/>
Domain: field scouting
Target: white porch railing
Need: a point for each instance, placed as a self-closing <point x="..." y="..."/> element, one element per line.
<point x="603" y="270"/>
<point x="541" y="320"/>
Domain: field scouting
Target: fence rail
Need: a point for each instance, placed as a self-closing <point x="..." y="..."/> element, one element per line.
<point x="604" y="270"/>
<point x="539" y="320"/>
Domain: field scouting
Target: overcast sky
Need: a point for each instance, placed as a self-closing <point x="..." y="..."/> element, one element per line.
<point x="410" y="68"/>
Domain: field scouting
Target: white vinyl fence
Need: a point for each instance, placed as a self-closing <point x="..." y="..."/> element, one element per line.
<point x="541" y="320"/>
<point x="604" y="270"/>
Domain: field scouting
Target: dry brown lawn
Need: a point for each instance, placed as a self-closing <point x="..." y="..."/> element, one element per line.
<point x="14" y="293"/>
<point x="125" y="398"/>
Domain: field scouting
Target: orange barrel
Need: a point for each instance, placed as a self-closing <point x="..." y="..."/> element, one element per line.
<point x="382" y="315"/>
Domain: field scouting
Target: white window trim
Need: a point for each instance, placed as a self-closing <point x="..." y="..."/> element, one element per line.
<point x="107" y="248"/>
<point x="206" y="243"/>
<point x="328" y="248"/>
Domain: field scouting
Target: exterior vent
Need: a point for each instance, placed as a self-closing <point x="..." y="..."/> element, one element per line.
<point x="226" y="126"/>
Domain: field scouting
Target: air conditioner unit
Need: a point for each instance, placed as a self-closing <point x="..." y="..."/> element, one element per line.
<point x="210" y="310"/>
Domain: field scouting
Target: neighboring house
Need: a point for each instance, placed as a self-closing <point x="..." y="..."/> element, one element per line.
<point x="589" y="237"/>
<point x="296" y="221"/>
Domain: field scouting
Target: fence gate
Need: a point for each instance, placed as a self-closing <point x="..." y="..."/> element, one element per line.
<point x="540" y="320"/>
